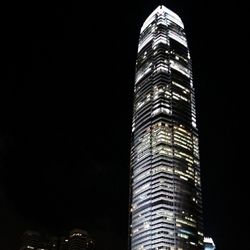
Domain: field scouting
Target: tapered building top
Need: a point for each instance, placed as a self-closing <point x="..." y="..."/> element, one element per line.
<point x="160" y="10"/>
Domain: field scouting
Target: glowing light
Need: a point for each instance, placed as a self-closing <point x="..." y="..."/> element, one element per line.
<point x="159" y="11"/>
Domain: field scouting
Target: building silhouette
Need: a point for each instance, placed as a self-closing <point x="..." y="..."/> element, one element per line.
<point x="32" y="240"/>
<point x="165" y="193"/>
<point x="77" y="239"/>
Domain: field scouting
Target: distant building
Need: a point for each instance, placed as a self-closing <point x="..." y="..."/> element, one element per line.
<point x="209" y="244"/>
<point x="77" y="239"/>
<point x="32" y="240"/>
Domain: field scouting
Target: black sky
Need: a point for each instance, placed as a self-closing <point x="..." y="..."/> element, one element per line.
<point x="66" y="107"/>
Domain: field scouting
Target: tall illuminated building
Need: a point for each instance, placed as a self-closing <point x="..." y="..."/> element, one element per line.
<point x="166" y="207"/>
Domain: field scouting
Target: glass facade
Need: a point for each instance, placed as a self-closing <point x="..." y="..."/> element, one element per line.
<point x="165" y="200"/>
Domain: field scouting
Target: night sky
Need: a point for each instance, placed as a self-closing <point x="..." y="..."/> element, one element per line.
<point x="66" y="96"/>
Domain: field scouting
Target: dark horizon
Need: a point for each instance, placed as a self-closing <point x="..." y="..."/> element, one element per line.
<point x="66" y="109"/>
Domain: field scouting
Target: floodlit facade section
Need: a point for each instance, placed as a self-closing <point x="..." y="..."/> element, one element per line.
<point x="166" y="207"/>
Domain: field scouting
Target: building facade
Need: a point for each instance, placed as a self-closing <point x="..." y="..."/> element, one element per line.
<point x="165" y="194"/>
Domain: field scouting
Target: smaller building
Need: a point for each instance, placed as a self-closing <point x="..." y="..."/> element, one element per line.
<point x="79" y="240"/>
<point x="208" y="243"/>
<point x="32" y="240"/>
<point x="76" y="239"/>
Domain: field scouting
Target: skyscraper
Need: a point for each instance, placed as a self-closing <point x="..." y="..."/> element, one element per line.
<point x="166" y="207"/>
